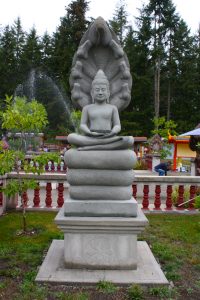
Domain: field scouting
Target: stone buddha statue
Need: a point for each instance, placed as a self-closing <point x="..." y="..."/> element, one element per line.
<point x="100" y="166"/>
<point x="100" y="121"/>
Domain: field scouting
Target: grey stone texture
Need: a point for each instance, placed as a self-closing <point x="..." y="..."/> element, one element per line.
<point x="96" y="208"/>
<point x="100" y="175"/>
<point x="101" y="160"/>
<point x="100" y="49"/>
<point x="148" y="271"/>
<point x="101" y="242"/>
<point x="96" y="89"/>
<point x="95" y="192"/>
<point x="100" y="251"/>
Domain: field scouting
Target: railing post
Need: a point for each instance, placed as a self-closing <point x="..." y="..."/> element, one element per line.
<point x="60" y="200"/>
<point x="24" y="199"/>
<point x="55" y="166"/>
<point x="48" y="199"/>
<point x="157" y="201"/>
<point x="36" y="199"/>
<point x="62" y="164"/>
<point x="192" y="195"/>
<point x="145" y="202"/>
<point x="49" y="166"/>
<point x="169" y="198"/>
<point x="134" y="189"/>
<point x="180" y="196"/>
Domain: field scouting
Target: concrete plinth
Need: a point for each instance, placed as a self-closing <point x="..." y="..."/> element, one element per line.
<point x="148" y="270"/>
<point x="100" y="248"/>
<point x="99" y="208"/>
<point x="100" y="242"/>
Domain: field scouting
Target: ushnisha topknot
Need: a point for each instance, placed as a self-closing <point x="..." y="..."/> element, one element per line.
<point x="100" y="77"/>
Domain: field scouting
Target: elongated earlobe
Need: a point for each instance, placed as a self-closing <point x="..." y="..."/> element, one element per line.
<point x="92" y="97"/>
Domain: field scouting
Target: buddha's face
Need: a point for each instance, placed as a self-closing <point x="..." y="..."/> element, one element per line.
<point x="100" y="92"/>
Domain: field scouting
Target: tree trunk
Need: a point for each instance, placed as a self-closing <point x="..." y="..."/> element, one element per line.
<point x="157" y="88"/>
<point x="169" y="100"/>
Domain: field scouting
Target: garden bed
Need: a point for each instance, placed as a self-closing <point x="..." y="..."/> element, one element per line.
<point x="174" y="240"/>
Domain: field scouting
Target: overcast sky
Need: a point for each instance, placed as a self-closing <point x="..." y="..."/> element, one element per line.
<point x="45" y="14"/>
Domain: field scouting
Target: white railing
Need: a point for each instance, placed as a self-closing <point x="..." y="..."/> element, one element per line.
<point x="151" y="192"/>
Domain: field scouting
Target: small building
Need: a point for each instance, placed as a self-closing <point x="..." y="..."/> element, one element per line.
<point x="181" y="149"/>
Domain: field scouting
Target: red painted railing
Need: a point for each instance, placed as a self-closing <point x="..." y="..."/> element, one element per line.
<point x="158" y="192"/>
<point x="151" y="192"/>
<point x="50" y="192"/>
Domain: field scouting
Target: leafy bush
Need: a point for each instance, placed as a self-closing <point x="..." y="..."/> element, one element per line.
<point x="106" y="287"/>
<point x="135" y="292"/>
<point x="163" y="292"/>
<point x="141" y="165"/>
<point x="197" y="202"/>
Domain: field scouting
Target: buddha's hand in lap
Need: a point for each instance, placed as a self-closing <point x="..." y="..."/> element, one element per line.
<point x="95" y="134"/>
<point x="102" y="135"/>
<point x="112" y="133"/>
<point x="108" y="135"/>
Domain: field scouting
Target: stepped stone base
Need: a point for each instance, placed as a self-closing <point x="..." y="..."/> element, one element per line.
<point x="99" y="208"/>
<point x="148" y="271"/>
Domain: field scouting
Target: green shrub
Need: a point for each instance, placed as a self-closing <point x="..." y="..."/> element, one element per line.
<point x="162" y="292"/>
<point x="135" y="292"/>
<point x="141" y="165"/>
<point x="106" y="287"/>
<point x="197" y="202"/>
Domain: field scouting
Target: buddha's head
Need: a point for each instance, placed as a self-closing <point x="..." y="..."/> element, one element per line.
<point x="100" y="87"/>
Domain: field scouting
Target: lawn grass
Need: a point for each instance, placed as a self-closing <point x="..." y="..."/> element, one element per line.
<point x="174" y="240"/>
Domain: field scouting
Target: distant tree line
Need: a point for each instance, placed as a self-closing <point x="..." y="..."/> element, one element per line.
<point x="164" y="62"/>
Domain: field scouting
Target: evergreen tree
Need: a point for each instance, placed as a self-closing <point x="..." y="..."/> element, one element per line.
<point x="139" y="54"/>
<point x="47" y="53"/>
<point x="7" y="62"/>
<point x="168" y="47"/>
<point x="119" y="21"/>
<point x="67" y="38"/>
<point x="19" y="36"/>
<point x="163" y="19"/>
<point x="32" y="54"/>
<point x="185" y="104"/>
<point x="141" y="106"/>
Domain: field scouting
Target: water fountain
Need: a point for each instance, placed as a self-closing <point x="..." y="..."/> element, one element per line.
<point x="43" y="88"/>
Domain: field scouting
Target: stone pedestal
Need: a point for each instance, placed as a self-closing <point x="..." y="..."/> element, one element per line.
<point x="100" y="248"/>
<point x="101" y="221"/>
<point x="101" y="243"/>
